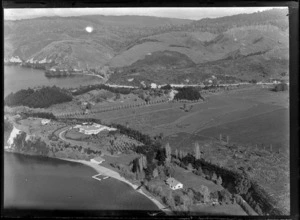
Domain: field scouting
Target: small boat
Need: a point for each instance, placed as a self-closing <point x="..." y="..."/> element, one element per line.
<point x="105" y="177"/>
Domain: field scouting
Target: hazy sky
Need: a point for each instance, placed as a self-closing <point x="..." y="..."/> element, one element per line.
<point x="187" y="13"/>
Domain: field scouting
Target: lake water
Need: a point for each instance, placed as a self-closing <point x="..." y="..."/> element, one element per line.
<point x="47" y="183"/>
<point x="17" y="77"/>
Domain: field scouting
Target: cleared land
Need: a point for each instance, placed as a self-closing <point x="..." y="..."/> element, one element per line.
<point x="193" y="181"/>
<point x="255" y="119"/>
<point x="252" y="115"/>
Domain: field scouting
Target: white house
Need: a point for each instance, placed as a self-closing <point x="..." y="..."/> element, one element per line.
<point x="153" y="86"/>
<point x="174" y="184"/>
<point x="93" y="129"/>
<point x="97" y="160"/>
<point x="45" y="121"/>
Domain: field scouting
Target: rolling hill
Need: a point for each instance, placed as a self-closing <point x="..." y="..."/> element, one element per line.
<point x="162" y="50"/>
<point x="61" y="39"/>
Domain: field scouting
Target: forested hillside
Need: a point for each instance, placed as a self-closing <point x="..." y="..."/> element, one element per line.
<point x="134" y="46"/>
<point x="41" y="98"/>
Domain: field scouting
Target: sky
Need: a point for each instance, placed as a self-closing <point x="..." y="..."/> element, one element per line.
<point x="184" y="13"/>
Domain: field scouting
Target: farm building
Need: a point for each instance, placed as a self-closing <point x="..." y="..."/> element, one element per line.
<point x="276" y="81"/>
<point x="92" y="129"/>
<point x="97" y="160"/>
<point x="153" y="86"/>
<point x="45" y="121"/>
<point x="86" y="105"/>
<point x="174" y="184"/>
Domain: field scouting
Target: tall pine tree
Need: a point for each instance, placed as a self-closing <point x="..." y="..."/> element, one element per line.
<point x="197" y="151"/>
<point x="168" y="153"/>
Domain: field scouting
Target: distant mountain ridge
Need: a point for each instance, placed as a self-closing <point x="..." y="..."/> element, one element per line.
<point x="126" y="43"/>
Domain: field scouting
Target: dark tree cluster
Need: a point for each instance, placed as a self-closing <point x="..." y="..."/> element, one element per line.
<point x="7" y="126"/>
<point x="48" y="115"/>
<point x="37" y="147"/>
<point x="145" y="139"/>
<point x="40" y="98"/>
<point x="280" y="87"/>
<point x="166" y="87"/>
<point x="188" y="93"/>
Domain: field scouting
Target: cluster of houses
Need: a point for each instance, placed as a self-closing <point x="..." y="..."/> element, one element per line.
<point x="12" y="60"/>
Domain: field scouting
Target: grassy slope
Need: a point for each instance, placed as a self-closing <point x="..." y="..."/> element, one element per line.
<point x="109" y="32"/>
<point x="122" y="41"/>
<point x="204" y="46"/>
<point x="253" y="52"/>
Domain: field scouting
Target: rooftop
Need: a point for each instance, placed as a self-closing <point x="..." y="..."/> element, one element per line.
<point x="172" y="182"/>
<point x="99" y="159"/>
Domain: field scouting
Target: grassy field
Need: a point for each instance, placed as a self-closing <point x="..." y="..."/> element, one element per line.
<point x="270" y="128"/>
<point x="75" y="135"/>
<point x="248" y="116"/>
<point x="191" y="180"/>
<point x="255" y="119"/>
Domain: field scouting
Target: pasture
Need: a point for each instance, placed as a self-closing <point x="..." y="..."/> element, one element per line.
<point x="255" y="119"/>
<point x="252" y="115"/>
<point x="190" y="180"/>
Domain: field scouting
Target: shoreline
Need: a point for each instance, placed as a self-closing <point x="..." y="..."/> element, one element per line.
<point x="98" y="76"/>
<point x="113" y="174"/>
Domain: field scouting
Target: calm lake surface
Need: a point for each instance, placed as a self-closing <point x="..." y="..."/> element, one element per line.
<point x="17" y="77"/>
<point x="46" y="183"/>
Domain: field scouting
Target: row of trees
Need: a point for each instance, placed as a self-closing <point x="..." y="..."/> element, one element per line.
<point x="85" y="89"/>
<point x="40" y="98"/>
<point x="113" y="108"/>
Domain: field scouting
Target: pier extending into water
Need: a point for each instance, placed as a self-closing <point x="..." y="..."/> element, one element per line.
<point x="97" y="177"/>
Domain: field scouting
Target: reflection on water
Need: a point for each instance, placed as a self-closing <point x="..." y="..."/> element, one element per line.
<point x="17" y="77"/>
<point x="46" y="183"/>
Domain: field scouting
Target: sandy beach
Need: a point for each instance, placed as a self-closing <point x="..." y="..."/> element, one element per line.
<point x="108" y="172"/>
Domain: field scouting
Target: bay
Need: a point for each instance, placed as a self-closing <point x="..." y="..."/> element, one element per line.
<point x="17" y="78"/>
<point x="53" y="184"/>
